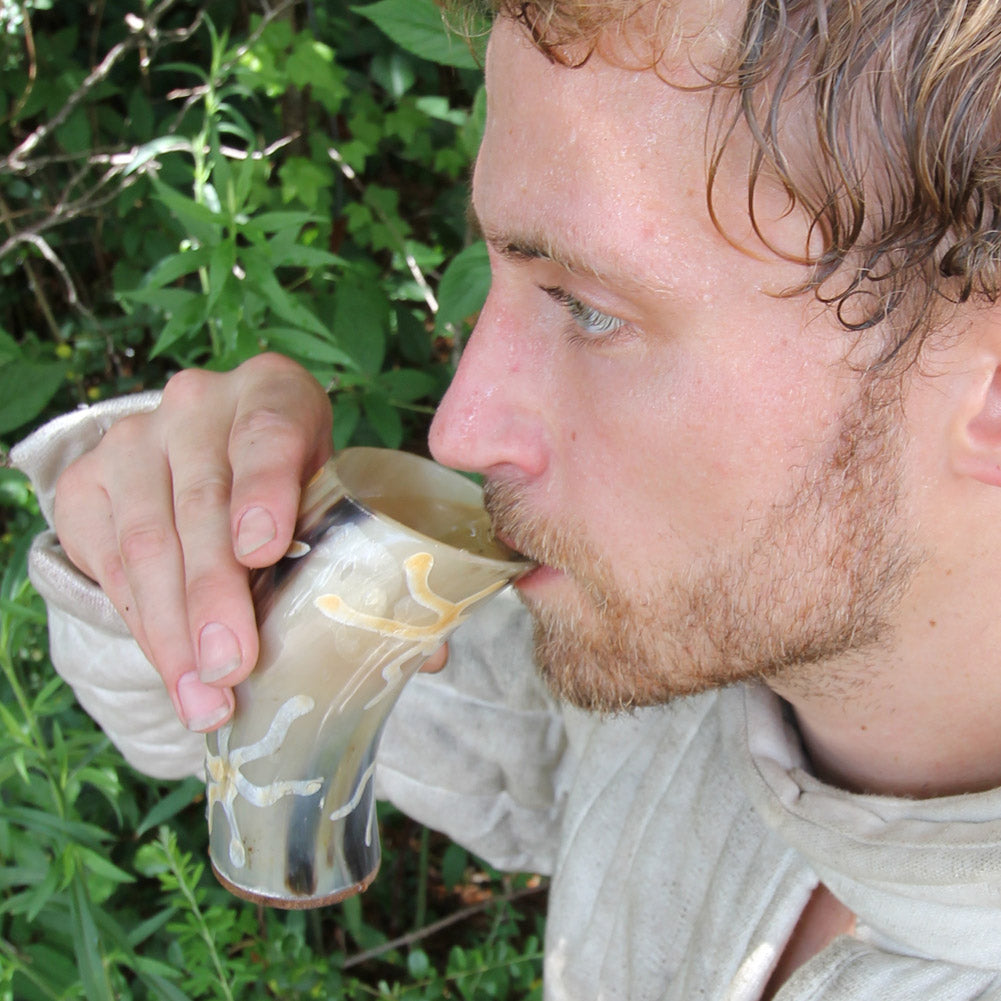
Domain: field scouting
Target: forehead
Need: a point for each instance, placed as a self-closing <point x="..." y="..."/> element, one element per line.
<point x="611" y="161"/>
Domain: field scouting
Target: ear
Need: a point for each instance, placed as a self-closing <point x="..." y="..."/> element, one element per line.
<point x="977" y="444"/>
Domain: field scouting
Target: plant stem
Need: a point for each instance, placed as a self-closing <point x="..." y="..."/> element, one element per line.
<point x="181" y="875"/>
<point x="421" y="933"/>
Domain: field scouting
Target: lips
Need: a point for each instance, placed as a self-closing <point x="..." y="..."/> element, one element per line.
<point x="530" y="570"/>
<point x="505" y="540"/>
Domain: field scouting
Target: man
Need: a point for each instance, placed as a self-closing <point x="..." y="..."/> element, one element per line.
<point x="754" y="441"/>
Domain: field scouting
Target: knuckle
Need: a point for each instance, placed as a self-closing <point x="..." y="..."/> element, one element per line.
<point x="112" y="574"/>
<point x="143" y="544"/>
<point x="126" y="435"/>
<point x="289" y="380"/>
<point x="189" y="388"/>
<point x="194" y="501"/>
<point x="269" y="364"/>
<point x="269" y="425"/>
<point x="204" y="588"/>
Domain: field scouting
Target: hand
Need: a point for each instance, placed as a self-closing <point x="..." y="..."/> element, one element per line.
<point x="171" y="509"/>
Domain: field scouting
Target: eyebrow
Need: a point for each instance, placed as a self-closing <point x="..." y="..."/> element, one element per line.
<point x="521" y="248"/>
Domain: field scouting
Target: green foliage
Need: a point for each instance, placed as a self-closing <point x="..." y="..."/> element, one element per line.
<point x="186" y="184"/>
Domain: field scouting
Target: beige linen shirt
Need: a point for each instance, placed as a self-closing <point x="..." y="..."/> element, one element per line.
<point x="683" y="841"/>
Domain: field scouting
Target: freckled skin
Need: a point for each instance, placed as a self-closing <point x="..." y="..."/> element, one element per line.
<point x="669" y="444"/>
<point x="696" y="437"/>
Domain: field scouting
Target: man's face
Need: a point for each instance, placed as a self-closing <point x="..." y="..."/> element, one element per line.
<point x="709" y="486"/>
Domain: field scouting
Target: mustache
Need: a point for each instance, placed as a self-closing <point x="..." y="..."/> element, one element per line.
<point x="516" y="525"/>
<point x="564" y="547"/>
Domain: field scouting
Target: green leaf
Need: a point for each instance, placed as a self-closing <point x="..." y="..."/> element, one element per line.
<point x="87" y="946"/>
<point x="412" y="337"/>
<point x="283" y="304"/>
<point x="140" y="118"/>
<point x="394" y="72"/>
<point x="305" y="180"/>
<point x="152" y="149"/>
<point x="48" y="825"/>
<point x="99" y="866"/>
<point x="26" y="387"/>
<point x="274" y="222"/>
<point x="289" y="340"/>
<point x="406" y="384"/>
<point x="185" y="262"/>
<point x="385" y="418"/>
<point x="453" y="865"/>
<point x="74" y="134"/>
<point x="418" y="27"/>
<point x="463" y="288"/>
<point x="418" y="963"/>
<point x="361" y="321"/>
<point x="151" y="860"/>
<point x="437" y="106"/>
<point x="347" y="414"/>
<point x="51" y="973"/>
<point x="145" y="929"/>
<point x="16" y="572"/>
<point x="169" y="300"/>
<point x="157" y="982"/>
<point x="471" y="133"/>
<point x="186" y="319"/>
<point x="297" y="255"/>
<point x="312" y="65"/>
<point x="199" y="220"/>
<point x="9" y="348"/>
<point x="220" y="270"/>
<point x="178" y="799"/>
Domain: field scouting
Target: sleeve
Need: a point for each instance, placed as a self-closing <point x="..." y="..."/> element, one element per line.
<point x="89" y="643"/>
<point x="479" y="751"/>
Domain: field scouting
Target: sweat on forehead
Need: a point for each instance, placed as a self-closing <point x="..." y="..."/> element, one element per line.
<point x="893" y="149"/>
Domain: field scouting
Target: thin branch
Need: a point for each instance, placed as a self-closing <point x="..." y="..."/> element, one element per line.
<point x="29" y="45"/>
<point x="436" y="926"/>
<point x="412" y="266"/>
<point x="251" y="40"/>
<point x="146" y="27"/>
<point x="111" y="184"/>
<point x="36" y="289"/>
<point x="63" y="213"/>
<point x="50" y="255"/>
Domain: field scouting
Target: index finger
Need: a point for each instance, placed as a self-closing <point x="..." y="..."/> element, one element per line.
<point x="281" y="435"/>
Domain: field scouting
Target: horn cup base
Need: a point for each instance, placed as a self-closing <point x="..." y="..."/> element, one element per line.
<point x="296" y="903"/>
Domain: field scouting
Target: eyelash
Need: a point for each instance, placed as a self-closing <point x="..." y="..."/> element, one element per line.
<point x="594" y="325"/>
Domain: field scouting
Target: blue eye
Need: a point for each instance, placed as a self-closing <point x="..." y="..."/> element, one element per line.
<point x="592" y="322"/>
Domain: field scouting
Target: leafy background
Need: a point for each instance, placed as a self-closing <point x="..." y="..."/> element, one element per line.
<point x="191" y="182"/>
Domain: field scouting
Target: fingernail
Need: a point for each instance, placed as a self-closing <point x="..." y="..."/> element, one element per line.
<point x="256" y="529"/>
<point x="218" y="652"/>
<point x="202" y="707"/>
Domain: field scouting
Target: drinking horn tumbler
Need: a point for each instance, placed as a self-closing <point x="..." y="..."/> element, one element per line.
<point x="391" y="553"/>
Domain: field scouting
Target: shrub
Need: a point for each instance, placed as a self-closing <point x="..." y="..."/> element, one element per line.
<point x="190" y="183"/>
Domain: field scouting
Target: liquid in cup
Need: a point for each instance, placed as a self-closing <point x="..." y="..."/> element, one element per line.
<point x="392" y="552"/>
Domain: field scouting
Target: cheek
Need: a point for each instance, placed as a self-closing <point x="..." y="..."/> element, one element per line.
<point x="693" y="448"/>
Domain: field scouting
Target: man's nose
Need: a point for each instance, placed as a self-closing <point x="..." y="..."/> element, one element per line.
<point x="494" y="417"/>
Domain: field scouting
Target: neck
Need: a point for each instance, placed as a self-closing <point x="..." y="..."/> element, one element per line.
<point x="918" y="717"/>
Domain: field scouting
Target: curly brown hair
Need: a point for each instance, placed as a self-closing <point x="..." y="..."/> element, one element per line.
<point x="901" y="169"/>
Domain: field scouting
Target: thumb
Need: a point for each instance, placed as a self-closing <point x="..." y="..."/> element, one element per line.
<point x="436" y="661"/>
